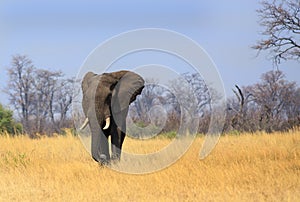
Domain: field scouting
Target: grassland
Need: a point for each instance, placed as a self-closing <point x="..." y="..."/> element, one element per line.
<point x="248" y="167"/>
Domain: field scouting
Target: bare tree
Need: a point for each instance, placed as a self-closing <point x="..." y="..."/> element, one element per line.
<point x="41" y="97"/>
<point x="20" y="88"/>
<point x="272" y="104"/>
<point x="191" y="93"/>
<point x="281" y="20"/>
<point x="152" y="95"/>
<point x="187" y="99"/>
<point x="60" y="103"/>
<point x="272" y="95"/>
<point x="293" y="110"/>
<point x="144" y="102"/>
<point x="240" y="120"/>
<point x="45" y="85"/>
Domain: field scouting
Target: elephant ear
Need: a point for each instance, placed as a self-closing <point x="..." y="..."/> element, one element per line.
<point x="85" y="85"/>
<point x="86" y="81"/>
<point x="125" y="91"/>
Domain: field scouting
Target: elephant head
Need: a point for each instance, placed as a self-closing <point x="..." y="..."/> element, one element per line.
<point x="105" y="103"/>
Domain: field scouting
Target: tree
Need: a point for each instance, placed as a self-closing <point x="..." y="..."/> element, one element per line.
<point x="187" y="100"/>
<point x="20" y="88"/>
<point x="7" y="123"/>
<point x="144" y="102"/>
<point x="191" y="93"/>
<point x="293" y="110"/>
<point x="272" y="95"/>
<point x="239" y="111"/>
<point x="44" y="88"/>
<point x="60" y="102"/>
<point x="146" y="111"/>
<point x="272" y="104"/>
<point x="271" y="101"/>
<point x="281" y="20"/>
<point x="41" y="97"/>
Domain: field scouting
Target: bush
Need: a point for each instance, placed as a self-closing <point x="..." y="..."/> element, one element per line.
<point x="7" y="123"/>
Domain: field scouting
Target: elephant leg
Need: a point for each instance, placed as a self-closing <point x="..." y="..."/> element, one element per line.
<point x="117" y="138"/>
<point x="100" y="148"/>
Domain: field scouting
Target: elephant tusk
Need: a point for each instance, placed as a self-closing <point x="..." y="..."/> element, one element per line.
<point x="86" y="121"/>
<point x="107" y="123"/>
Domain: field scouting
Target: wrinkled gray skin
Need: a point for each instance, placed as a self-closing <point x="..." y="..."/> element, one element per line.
<point x="109" y="95"/>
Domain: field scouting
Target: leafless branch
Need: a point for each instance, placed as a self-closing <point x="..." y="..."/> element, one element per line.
<point x="281" y="20"/>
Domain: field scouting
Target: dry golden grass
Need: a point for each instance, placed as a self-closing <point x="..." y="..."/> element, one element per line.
<point x="249" y="167"/>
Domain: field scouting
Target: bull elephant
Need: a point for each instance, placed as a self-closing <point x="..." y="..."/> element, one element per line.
<point x="105" y="103"/>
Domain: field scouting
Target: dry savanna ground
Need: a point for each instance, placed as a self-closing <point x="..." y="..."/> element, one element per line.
<point x="248" y="167"/>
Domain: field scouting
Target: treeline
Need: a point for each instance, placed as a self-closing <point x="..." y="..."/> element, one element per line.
<point x="272" y="104"/>
<point x="41" y="98"/>
<point x="41" y="101"/>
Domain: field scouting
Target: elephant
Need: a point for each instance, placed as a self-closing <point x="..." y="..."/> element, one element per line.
<point x="105" y="102"/>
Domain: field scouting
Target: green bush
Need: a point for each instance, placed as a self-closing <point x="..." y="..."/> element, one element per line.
<point x="7" y="123"/>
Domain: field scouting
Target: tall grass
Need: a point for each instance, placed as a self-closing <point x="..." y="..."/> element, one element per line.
<point x="248" y="167"/>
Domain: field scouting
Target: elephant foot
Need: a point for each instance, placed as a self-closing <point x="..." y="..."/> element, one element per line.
<point x="115" y="157"/>
<point x="103" y="160"/>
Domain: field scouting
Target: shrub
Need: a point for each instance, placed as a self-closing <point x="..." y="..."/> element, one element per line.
<point x="7" y="123"/>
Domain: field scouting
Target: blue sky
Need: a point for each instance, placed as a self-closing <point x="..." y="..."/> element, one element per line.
<point x="59" y="35"/>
